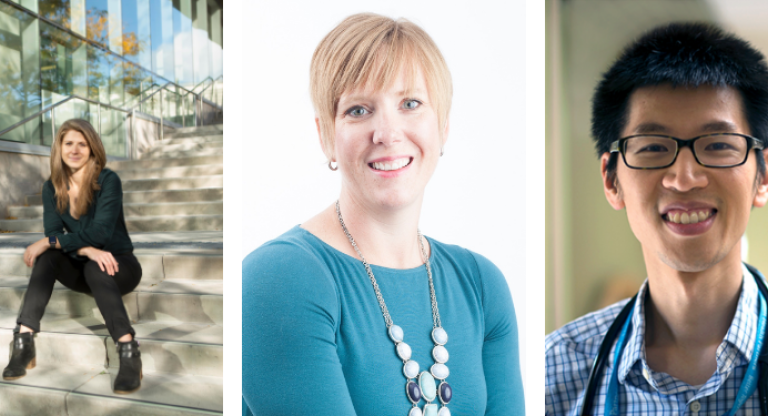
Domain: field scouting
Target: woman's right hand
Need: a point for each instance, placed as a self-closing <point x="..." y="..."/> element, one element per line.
<point x="34" y="251"/>
<point x="104" y="259"/>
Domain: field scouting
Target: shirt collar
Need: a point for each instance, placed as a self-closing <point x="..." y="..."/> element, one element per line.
<point x="735" y="349"/>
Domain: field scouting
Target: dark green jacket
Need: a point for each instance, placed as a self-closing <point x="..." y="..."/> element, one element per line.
<point x="102" y="227"/>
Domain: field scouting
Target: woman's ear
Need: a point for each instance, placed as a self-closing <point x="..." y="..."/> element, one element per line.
<point x="611" y="183"/>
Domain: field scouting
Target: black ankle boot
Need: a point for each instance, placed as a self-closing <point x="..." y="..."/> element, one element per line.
<point x="22" y="356"/>
<point x="129" y="377"/>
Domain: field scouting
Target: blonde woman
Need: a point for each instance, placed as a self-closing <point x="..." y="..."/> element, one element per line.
<point x="95" y="255"/>
<point x="354" y="312"/>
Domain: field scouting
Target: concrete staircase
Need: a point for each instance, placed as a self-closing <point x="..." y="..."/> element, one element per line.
<point x="173" y="207"/>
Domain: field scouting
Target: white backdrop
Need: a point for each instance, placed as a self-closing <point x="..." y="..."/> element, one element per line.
<point x="477" y="197"/>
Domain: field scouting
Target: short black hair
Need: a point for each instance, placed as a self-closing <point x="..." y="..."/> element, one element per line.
<point x="681" y="54"/>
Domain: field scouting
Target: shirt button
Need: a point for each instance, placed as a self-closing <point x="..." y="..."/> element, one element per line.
<point x="645" y="374"/>
<point x="695" y="406"/>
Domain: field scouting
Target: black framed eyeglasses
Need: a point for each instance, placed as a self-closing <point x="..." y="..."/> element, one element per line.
<point x="656" y="151"/>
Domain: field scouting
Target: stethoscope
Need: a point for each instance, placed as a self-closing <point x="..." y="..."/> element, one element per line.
<point x="618" y="330"/>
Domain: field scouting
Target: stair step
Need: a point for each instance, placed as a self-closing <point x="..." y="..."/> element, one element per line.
<point x="168" y="184"/>
<point x="98" y="351"/>
<point x="178" y="195"/>
<point x="204" y="300"/>
<point x="196" y="131"/>
<point x="196" y="143"/>
<point x="145" y="223"/>
<point x="152" y="155"/>
<point x="142" y="305"/>
<point x="171" y="172"/>
<point x="51" y="324"/>
<point x="85" y="391"/>
<point x="135" y="210"/>
<point x="156" y="266"/>
<point x="192" y="139"/>
<point x="162" y="163"/>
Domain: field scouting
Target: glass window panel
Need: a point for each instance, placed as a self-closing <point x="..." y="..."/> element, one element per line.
<point x="68" y="13"/>
<point x="69" y="110"/>
<point x="63" y="59"/>
<point x="136" y="80"/>
<point x="104" y="23"/>
<point x="215" y="35"/>
<point x="105" y="77"/>
<point x="113" y="131"/>
<point x="182" y="41"/>
<point x="19" y="73"/>
<point x="161" y="20"/>
<point x="200" y="42"/>
<point x="29" y="4"/>
<point x="137" y="40"/>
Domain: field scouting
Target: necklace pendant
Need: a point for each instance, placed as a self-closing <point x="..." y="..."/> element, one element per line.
<point x="411" y="369"/>
<point x="415" y="411"/>
<point x="396" y="333"/>
<point x="439" y="336"/>
<point x="413" y="391"/>
<point x="428" y="386"/>
<point x="440" y="354"/>
<point x="444" y="411"/>
<point x="404" y="351"/>
<point x="430" y="409"/>
<point x="440" y="371"/>
<point x="445" y="392"/>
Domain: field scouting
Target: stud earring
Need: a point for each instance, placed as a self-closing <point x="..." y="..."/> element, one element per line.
<point x="442" y="152"/>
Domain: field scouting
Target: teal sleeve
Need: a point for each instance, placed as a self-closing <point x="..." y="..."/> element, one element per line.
<point x="97" y="233"/>
<point x="501" y="354"/>
<point x="290" y="316"/>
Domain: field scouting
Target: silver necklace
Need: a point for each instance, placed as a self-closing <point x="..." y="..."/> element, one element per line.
<point x="426" y="388"/>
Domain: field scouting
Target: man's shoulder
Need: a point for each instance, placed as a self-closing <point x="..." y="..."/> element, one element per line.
<point x="584" y="331"/>
<point x="569" y="354"/>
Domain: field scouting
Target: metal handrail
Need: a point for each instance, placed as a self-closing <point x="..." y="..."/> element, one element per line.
<point x="151" y="95"/>
<point x="53" y="118"/>
<point x="52" y="106"/>
<point x="202" y="82"/>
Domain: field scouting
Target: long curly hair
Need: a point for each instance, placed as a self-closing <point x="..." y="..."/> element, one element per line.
<point x="61" y="174"/>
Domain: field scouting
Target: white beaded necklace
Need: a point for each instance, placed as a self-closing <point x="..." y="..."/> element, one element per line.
<point x="426" y="387"/>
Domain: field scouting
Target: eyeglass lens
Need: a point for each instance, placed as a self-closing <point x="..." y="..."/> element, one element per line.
<point x="716" y="151"/>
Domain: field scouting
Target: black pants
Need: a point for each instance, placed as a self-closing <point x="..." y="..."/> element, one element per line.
<point x="84" y="277"/>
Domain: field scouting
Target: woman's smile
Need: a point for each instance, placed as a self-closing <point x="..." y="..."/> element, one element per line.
<point x="390" y="165"/>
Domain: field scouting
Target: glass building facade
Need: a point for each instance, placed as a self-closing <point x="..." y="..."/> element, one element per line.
<point x="106" y="58"/>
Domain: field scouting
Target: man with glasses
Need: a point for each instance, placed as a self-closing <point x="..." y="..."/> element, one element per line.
<point x="680" y="122"/>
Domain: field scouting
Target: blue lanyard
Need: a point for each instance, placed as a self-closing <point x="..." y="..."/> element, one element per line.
<point x="748" y="385"/>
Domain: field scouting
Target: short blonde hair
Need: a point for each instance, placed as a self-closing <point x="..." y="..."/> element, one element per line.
<point x="367" y="50"/>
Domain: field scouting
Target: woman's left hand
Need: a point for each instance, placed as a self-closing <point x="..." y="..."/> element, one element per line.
<point x="34" y="250"/>
<point x="104" y="259"/>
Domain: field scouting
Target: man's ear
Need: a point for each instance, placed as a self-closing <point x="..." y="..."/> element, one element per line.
<point x="320" y="139"/>
<point x="610" y="183"/>
<point x="761" y="196"/>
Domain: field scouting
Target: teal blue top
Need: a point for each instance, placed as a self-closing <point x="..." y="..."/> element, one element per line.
<point x="315" y="341"/>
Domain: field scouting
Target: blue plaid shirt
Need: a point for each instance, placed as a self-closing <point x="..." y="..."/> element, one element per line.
<point x="571" y="350"/>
